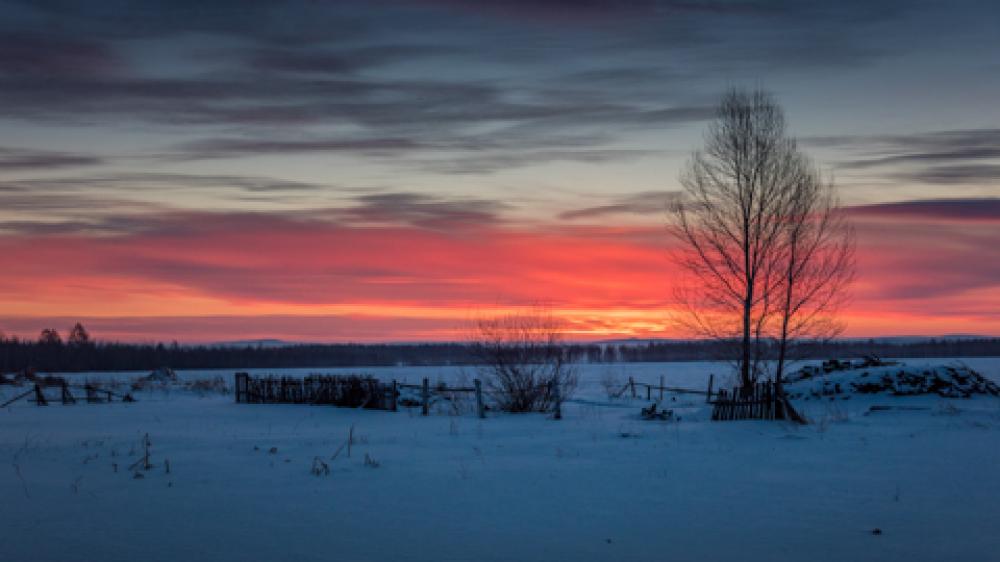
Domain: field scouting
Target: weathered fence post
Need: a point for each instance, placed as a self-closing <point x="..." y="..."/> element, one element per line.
<point x="631" y="383"/>
<point x="425" y="395"/>
<point x="145" y="458"/>
<point x="67" y="397"/>
<point x="395" y="393"/>
<point x="708" y="399"/>
<point x="241" y="387"/>
<point x="479" y="398"/>
<point x="661" y="388"/>
<point x="556" y="398"/>
<point x="39" y="397"/>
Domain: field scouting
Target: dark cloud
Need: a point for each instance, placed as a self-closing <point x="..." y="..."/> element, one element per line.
<point x="237" y="147"/>
<point x="643" y="203"/>
<point x="501" y="160"/>
<point x="116" y="204"/>
<point x="23" y="159"/>
<point x="285" y="22"/>
<point x="924" y="250"/>
<point x="920" y="262"/>
<point x="406" y="77"/>
<point x="966" y="209"/>
<point x="954" y="175"/>
<point x="101" y="225"/>
<point x="422" y="211"/>
<point x="177" y="101"/>
<point x="348" y="60"/>
<point x="27" y="54"/>
<point x="946" y="157"/>
<point x="601" y="11"/>
<point x="48" y="211"/>
<point x="930" y="156"/>
<point x="447" y="147"/>
<point x="281" y="70"/>
<point x="134" y="181"/>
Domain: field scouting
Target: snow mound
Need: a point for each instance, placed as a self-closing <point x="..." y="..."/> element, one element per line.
<point x="872" y="376"/>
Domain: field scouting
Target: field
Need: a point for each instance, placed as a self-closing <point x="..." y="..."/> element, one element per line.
<point x="600" y="484"/>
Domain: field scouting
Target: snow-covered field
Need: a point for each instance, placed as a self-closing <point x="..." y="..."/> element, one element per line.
<point x="601" y="484"/>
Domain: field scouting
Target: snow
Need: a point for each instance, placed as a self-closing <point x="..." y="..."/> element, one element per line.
<point x="601" y="484"/>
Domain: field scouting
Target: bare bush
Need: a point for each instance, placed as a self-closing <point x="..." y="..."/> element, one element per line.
<point x="202" y="386"/>
<point x="612" y="383"/>
<point x="319" y="468"/>
<point x="522" y="361"/>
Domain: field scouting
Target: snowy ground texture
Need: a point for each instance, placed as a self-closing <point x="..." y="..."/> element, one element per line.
<point x="601" y="484"/>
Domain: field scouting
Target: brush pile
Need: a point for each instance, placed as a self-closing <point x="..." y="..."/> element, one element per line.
<point x="840" y="379"/>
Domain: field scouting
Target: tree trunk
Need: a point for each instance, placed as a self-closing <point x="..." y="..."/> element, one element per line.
<point x="745" y="367"/>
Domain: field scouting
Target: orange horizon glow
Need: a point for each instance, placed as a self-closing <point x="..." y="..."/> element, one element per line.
<point x="202" y="277"/>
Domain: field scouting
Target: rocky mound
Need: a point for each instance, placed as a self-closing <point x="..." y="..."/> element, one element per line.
<point x="839" y="379"/>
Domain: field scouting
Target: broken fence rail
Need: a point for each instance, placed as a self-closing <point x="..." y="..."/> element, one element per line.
<point x="661" y="388"/>
<point x="94" y="394"/>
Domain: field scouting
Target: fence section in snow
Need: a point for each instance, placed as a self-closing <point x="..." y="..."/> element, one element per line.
<point x="632" y="385"/>
<point x="761" y="401"/>
<point x="351" y="391"/>
<point x="93" y="393"/>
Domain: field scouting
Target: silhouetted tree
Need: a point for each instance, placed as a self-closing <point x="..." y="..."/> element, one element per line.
<point x="816" y="265"/>
<point x="49" y="337"/>
<point x="79" y="336"/>
<point x="741" y="192"/>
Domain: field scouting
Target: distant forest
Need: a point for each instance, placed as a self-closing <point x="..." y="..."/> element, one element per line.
<point x="80" y="353"/>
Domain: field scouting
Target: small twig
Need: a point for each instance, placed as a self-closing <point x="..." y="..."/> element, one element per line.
<point x="17" y="470"/>
<point x="17" y="466"/>
<point x="339" y="449"/>
<point x="350" y="440"/>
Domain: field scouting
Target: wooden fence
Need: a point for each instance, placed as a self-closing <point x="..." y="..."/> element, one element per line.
<point x="631" y="385"/>
<point x="441" y="390"/>
<point x="762" y="401"/>
<point x="350" y="391"/>
<point x="93" y="394"/>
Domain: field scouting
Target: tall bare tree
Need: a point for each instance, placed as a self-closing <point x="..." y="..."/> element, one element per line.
<point x="816" y="266"/>
<point x="744" y="193"/>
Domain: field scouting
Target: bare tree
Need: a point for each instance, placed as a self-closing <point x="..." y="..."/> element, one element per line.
<point x="816" y="265"/>
<point x="730" y="223"/>
<point x="523" y="360"/>
<point x="79" y="336"/>
<point x="49" y="336"/>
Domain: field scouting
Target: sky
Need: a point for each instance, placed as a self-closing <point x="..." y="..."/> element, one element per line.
<point x="388" y="170"/>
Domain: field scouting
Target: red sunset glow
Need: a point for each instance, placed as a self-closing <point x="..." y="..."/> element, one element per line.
<point x="207" y="277"/>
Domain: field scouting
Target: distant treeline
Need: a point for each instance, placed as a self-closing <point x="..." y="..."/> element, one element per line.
<point x="80" y="353"/>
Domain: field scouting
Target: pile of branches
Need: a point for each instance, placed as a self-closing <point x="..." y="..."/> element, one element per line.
<point x="947" y="381"/>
